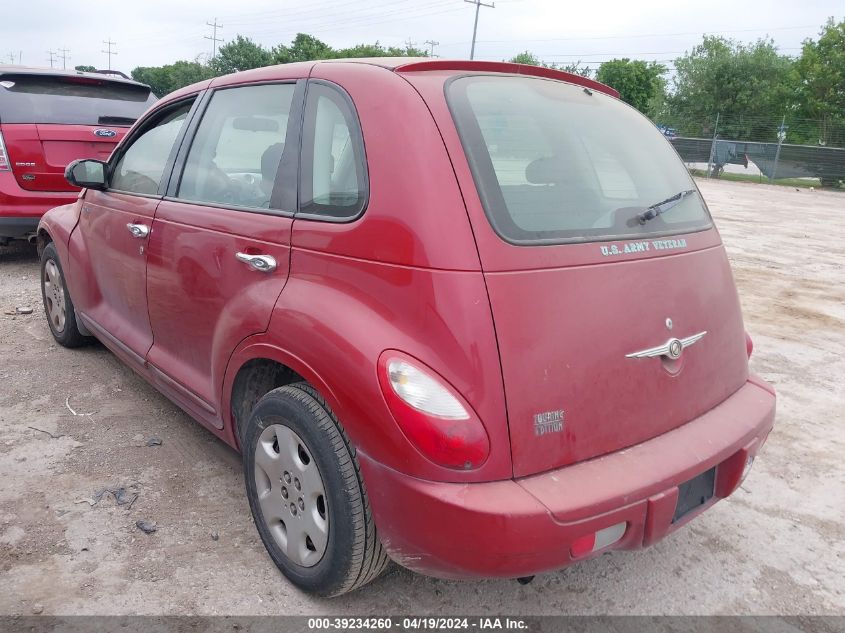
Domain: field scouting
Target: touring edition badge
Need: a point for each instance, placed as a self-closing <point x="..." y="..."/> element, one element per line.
<point x="548" y="422"/>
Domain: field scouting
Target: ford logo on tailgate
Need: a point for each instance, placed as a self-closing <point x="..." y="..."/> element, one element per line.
<point x="105" y="133"/>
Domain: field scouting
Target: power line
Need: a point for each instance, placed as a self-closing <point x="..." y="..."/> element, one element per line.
<point x="214" y="39"/>
<point x="638" y="35"/>
<point x="318" y="11"/>
<point x="52" y="55"/>
<point x="634" y="55"/>
<point x="478" y="4"/>
<point x="369" y="19"/>
<point x="64" y="55"/>
<point x="109" y="52"/>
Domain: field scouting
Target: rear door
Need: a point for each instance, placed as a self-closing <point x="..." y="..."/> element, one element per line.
<point x="219" y="249"/>
<point x="48" y="121"/>
<point x="583" y="286"/>
<point x="109" y="246"/>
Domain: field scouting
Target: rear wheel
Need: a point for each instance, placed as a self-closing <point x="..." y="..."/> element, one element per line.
<point x="306" y="494"/>
<point x="58" y="305"/>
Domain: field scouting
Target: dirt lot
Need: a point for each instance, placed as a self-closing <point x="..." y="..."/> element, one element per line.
<point x="776" y="547"/>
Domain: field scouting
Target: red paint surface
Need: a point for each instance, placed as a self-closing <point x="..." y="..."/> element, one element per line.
<point x="51" y="147"/>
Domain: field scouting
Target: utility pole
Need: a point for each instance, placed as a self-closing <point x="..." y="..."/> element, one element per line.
<point x="12" y="58"/>
<point x="64" y="55"/>
<point x="52" y="56"/>
<point x="781" y="139"/>
<point x="713" y="147"/>
<point x="432" y="44"/>
<point x="109" y="52"/>
<point x="478" y="4"/>
<point x="214" y="39"/>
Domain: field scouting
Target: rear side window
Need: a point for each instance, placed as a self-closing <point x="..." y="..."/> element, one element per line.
<point x="238" y="146"/>
<point x="556" y="163"/>
<point x="333" y="178"/>
<point x="71" y="100"/>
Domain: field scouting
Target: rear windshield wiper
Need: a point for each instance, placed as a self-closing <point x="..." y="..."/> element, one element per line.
<point x="116" y="120"/>
<point x="661" y="207"/>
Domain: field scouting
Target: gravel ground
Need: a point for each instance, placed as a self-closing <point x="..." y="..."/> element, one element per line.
<point x="776" y="547"/>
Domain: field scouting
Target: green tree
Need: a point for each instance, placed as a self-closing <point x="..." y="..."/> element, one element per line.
<point x="819" y="74"/>
<point x="377" y="50"/>
<point x="165" y="79"/>
<point x="307" y="47"/>
<point x="527" y="57"/>
<point x="85" y="69"/>
<point x="749" y="85"/>
<point x="240" y="54"/>
<point x="639" y="83"/>
<point x="303" y="48"/>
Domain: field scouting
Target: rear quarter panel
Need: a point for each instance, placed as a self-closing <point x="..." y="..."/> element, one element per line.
<point x="335" y="317"/>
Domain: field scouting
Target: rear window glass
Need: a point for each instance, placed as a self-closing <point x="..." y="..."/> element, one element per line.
<point x="71" y="100"/>
<point x="555" y="163"/>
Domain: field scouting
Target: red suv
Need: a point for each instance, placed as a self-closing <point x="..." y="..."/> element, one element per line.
<point x="471" y="316"/>
<point x="47" y="119"/>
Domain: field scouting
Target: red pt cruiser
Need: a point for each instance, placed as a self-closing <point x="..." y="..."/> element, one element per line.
<point x="474" y="317"/>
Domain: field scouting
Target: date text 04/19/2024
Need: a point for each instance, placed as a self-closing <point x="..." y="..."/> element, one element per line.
<point x="412" y="623"/>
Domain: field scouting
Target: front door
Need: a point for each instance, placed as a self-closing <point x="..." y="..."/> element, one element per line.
<point x="110" y="247"/>
<point x="219" y="250"/>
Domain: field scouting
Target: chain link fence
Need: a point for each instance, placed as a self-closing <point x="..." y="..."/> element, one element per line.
<point x="765" y="148"/>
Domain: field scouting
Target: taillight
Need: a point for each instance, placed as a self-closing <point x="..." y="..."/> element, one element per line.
<point x="4" y="156"/>
<point x="431" y="413"/>
<point x="749" y="345"/>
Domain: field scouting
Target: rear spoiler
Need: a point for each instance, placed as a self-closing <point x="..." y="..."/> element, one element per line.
<point x="111" y="75"/>
<point x="506" y="67"/>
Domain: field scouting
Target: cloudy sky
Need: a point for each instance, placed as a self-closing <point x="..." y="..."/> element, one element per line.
<point x="154" y="32"/>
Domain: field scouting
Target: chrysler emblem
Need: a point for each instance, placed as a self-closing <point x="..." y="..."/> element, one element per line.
<point x="671" y="349"/>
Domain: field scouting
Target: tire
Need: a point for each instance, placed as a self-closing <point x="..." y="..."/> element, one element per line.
<point x="58" y="306"/>
<point x="327" y="547"/>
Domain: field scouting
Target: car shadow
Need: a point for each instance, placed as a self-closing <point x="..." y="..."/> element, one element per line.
<point x="18" y="251"/>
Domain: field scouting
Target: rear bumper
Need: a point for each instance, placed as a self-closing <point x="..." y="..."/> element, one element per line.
<point x="523" y="527"/>
<point x="20" y="209"/>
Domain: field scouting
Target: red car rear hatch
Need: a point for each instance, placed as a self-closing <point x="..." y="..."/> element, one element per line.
<point x="598" y="251"/>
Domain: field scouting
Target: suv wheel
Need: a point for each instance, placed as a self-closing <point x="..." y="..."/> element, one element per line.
<point x="57" y="302"/>
<point x="306" y="494"/>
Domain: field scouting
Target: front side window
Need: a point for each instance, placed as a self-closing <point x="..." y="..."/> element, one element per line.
<point x="334" y="174"/>
<point x="141" y="165"/>
<point x="238" y="146"/>
<point x="554" y="162"/>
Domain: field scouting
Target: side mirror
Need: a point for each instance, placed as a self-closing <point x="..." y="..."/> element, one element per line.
<point x="86" y="173"/>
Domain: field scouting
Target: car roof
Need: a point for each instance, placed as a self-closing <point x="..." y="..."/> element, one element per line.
<point x="8" y="69"/>
<point x="399" y="65"/>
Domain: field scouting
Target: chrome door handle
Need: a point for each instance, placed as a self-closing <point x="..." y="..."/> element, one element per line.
<point x="138" y="230"/>
<point x="263" y="263"/>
